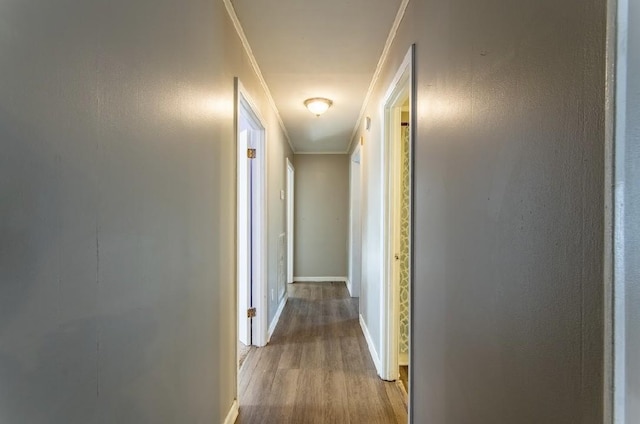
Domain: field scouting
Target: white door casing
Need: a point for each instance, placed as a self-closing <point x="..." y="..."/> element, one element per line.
<point x="400" y="88"/>
<point x="251" y="228"/>
<point x="290" y="219"/>
<point x="244" y="239"/>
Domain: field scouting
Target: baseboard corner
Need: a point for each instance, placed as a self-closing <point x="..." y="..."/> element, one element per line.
<point x="233" y="413"/>
<point x="276" y="317"/>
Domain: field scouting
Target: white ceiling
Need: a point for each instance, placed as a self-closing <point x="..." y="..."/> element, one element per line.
<point x="320" y="48"/>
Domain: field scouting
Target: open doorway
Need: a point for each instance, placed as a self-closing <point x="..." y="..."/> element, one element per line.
<point x="403" y="228"/>
<point x="397" y="156"/>
<point x="251" y="207"/>
<point x="290" y="218"/>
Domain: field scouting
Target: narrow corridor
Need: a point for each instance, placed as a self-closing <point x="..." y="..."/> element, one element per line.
<point x="317" y="367"/>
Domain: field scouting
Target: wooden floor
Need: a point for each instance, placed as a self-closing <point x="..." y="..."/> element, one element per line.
<point x="404" y="377"/>
<point x="317" y="367"/>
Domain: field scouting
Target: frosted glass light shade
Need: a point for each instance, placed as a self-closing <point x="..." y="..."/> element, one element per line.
<point x="318" y="105"/>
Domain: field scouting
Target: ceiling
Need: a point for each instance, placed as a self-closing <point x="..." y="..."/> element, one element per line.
<point x="320" y="48"/>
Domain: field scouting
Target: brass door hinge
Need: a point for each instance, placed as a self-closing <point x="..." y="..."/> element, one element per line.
<point x="251" y="312"/>
<point x="251" y="153"/>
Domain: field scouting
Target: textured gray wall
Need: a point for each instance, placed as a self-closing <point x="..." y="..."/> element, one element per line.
<point x="321" y="215"/>
<point x="632" y="215"/>
<point x="509" y="159"/>
<point x="117" y="210"/>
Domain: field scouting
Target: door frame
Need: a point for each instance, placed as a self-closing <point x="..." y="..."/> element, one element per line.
<point x="620" y="186"/>
<point x="245" y="106"/>
<point x="403" y="84"/>
<point x="290" y="218"/>
<point x="354" y="286"/>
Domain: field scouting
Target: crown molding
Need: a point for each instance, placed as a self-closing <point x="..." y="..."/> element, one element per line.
<point x="381" y="62"/>
<point x="254" y="64"/>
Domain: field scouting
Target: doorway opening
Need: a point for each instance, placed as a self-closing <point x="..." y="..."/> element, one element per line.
<point x="290" y="218"/>
<point x="251" y="225"/>
<point x="398" y="186"/>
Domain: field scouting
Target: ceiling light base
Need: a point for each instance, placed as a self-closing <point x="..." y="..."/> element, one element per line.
<point x="318" y="105"/>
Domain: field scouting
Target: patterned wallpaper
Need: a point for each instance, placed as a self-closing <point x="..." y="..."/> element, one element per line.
<point x="404" y="244"/>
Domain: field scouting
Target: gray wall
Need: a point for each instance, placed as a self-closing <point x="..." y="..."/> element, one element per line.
<point x="321" y="215"/>
<point x="629" y="152"/>
<point x="278" y="150"/>
<point x="117" y="210"/>
<point x="509" y="158"/>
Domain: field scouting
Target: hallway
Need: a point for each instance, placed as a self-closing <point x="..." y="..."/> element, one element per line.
<point x="121" y="219"/>
<point x="317" y="367"/>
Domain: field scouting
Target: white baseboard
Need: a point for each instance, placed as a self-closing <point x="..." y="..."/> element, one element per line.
<point x="372" y="348"/>
<point x="233" y="413"/>
<point x="276" y="318"/>
<point x="348" y="282"/>
<point x="403" y="359"/>
<point x="319" y="279"/>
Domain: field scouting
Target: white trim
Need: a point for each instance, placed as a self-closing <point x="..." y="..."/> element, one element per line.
<point x="242" y="235"/>
<point x="254" y="64"/>
<point x="390" y="296"/>
<point x="253" y="106"/>
<point x="245" y="102"/>
<point x="290" y="217"/>
<point x="381" y="62"/>
<point x="276" y="318"/>
<point x="357" y="151"/>
<point x="233" y="413"/>
<point x="262" y="289"/>
<point x="403" y="359"/>
<point x="399" y="75"/>
<point x="372" y="348"/>
<point x="615" y="167"/>
<point x="319" y="279"/>
<point x="323" y="153"/>
<point x="348" y="283"/>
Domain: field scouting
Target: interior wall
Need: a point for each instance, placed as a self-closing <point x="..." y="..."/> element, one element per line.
<point x="117" y="220"/>
<point x="508" y="209"/>
<point x="321" y="215"/>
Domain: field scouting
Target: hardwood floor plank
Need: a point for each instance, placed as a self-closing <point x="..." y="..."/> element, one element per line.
<point x="335" y="403"/>
<point x="279" y="408"/>
<point x="291" y="357"/>
<point x="309" y="399"/>
<point x="317" y="367"/>
<point x="248" y="369"/>
<point x="398" y="403"/>
<point x="312" y="354"/>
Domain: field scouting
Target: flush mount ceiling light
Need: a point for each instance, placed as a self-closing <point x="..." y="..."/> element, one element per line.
<point x="318" y="105"/>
